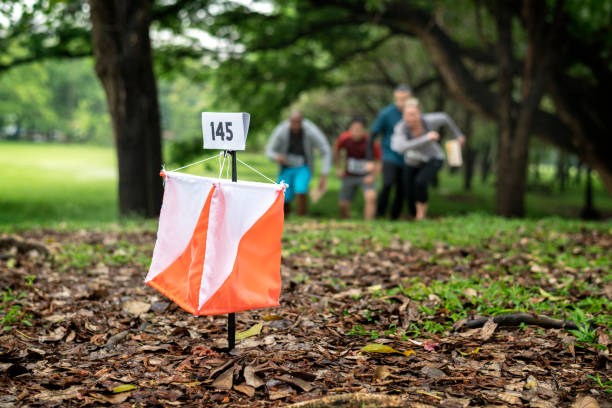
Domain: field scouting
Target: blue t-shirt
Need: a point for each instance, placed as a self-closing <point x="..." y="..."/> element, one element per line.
<point x="384" y="123"/>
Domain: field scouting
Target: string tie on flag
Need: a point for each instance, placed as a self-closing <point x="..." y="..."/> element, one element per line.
<point x="222" y="157"/>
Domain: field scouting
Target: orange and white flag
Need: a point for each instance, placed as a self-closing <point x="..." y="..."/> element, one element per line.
<point x="218" y="246"/>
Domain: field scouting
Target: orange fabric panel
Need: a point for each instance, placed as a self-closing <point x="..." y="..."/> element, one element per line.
<point x="255" y="278"/>
<point x="188" y="267"/>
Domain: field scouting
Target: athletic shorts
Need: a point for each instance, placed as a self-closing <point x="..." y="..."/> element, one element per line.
<point x="297" y="178"/>
<point x="350" y="185"/>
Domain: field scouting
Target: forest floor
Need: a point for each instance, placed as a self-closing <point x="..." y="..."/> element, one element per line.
<point x="81" y="329"/>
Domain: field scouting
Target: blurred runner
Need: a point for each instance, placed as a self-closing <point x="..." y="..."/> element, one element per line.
<point x="292" y="145"/>
<point x="393" y="164"/>
<point x="350" y="153"/>
<point x="416" y="138"/>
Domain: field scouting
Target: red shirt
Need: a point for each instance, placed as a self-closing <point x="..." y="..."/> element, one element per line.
<point x="355" y="153"/>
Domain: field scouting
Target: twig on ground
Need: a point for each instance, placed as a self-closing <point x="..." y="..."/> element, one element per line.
<point x="353" y="400"/>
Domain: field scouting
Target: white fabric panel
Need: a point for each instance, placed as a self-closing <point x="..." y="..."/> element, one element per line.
<point x="234" y="208"/>
<point x="184" y="198"/>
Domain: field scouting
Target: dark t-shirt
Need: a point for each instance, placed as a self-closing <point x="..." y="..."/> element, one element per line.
<point x="296" y="155"/>
<point x="296" y="143"/>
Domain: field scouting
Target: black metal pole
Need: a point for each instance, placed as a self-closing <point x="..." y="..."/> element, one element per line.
<point x="231" y="318"/>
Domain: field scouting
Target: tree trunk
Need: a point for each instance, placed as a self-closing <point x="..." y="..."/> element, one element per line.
<point x="512" y="153"/>
<point x="511" y="173"/>
<point x="469" y="158"/>
<point x="485" y="162"/>
<point x="589" y="212"/>
<point x="562" y="170"/>
<point x="516" y="122"/>
<point x="122" y="51"/>
<point x="535" y="162"/>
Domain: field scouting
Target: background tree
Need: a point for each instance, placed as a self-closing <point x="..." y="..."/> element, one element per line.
<point x="496" y="59"/>
<point x="117" y="34"/>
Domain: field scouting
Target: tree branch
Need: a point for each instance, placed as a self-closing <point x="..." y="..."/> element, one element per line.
<point x="43" y="56"/>
<point x="360" y="50"/>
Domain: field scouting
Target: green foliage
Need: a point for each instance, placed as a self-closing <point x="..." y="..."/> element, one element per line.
<point x="605" y="385"/>
<point x="62" y="100"/>
<point x="81" y="257"/>
<point x="11" y="310"/>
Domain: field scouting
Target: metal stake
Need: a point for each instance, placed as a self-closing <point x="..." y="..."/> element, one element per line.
<point x="231" y="318"/>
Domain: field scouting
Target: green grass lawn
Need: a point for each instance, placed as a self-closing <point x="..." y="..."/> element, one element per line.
<point x="53" y="184"/>
<point x="50" y="183"/>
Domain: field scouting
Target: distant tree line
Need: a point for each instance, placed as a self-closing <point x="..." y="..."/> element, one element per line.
<point x="532" y="67"/>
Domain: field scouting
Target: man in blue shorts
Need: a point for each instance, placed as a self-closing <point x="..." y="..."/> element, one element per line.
<point x="292" y="146"/>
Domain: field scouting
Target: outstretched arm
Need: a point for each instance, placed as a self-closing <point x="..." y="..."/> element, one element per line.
<point x="401" y="144"/>
<point x="273" y="146"/>
<point x="377" y="127"/>
<point x="436" y="120"/>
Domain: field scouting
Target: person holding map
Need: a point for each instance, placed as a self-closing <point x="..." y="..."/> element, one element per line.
<point x="415" y="137"/>
<point x="292" y="146"/>
<point x="350" y="156"/>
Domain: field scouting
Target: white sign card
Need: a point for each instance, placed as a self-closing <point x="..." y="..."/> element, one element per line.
<point x="225" y="130"/>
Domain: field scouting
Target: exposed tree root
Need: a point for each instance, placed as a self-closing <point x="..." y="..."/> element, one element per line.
<point x="515" y="319"/>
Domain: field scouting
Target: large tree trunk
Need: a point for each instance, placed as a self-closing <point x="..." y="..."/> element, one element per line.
<point x="562" y="170"/>
<point x="511" y="157"/>
<point x="516" y="128"/>
<point x="469" y="159"/>
<point x="122" y="50"/>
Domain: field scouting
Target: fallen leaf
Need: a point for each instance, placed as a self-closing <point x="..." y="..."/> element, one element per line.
<point x="136" y="307"/>
<point x="70" y="337"/>
<point x="512" y="398"/>
<point x="245" y="389"/>
<point x="470" y="292"/>
<point x="222" y="367"/>
<point x="59" y="395"/>
<point x="531" y="383"/>
<point x="280" y="393"/>
<point x="253" y="331"/>
<point x="56" y="335"/>
<point x="585" y="402"/>
<point x="381" y="348"/>
<point x="225" y="380"/>
<point x="251" y="378"/>
<point x="382" y="372"/>
<point x="604" y="339"/>
<point x="298" y="382"/>
<point x="433" y="372"/>
<point x="487" y="330"/>
<point x="124" y="388"/>
<point x="549" y="295"/>
<point x="111" y="399"/>
<point x="269" y="318"/>
<point x="456" y="402"/>
<point x="429" y="394"/>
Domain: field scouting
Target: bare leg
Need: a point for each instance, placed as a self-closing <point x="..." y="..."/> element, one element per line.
<point x="369" y="210"/>
<point x="421" y="210"/>
<point x="301" y="204"/>
<point x="345" y="209"/>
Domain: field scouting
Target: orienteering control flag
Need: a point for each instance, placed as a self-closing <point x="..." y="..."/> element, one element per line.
<point x="218" y="246"/>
